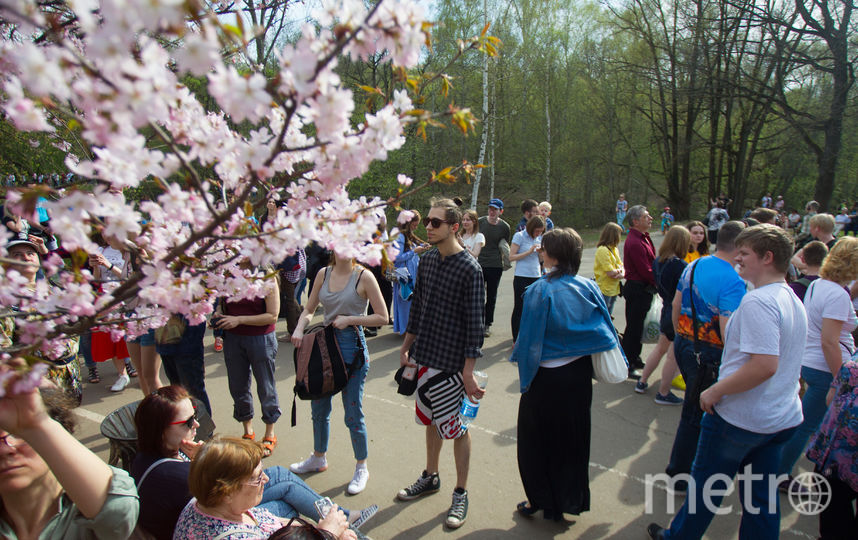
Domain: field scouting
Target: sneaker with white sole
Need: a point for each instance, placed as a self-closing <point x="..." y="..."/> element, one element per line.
<point x="356" y="519"/>
<point x="313" y="463"/>
<point x="358" y="482"/>
<point x="667" y="399"/>
<point x="120" y="383"/>
<point x="458" y="511"/>
<point x="426" y="484"/>
<point x="488" y="331"/>
<point x="641" y="387"/>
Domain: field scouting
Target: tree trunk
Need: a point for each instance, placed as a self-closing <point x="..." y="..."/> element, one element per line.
<point x="485" y="134"/>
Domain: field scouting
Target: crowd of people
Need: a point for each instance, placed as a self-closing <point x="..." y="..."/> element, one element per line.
<point x="757" y="333"/>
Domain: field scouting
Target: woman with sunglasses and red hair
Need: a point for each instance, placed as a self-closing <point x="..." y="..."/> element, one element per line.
<point x="166" y="427"/>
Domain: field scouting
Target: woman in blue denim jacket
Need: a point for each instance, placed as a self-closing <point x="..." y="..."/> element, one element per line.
<point x="565" y="320"/>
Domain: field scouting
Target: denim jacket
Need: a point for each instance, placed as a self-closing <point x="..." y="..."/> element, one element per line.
<point x="562" y="317"/>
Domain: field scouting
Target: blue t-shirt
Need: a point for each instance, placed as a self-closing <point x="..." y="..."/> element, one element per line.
<point x="528" y="266"/>
<point x="718" y="290"/>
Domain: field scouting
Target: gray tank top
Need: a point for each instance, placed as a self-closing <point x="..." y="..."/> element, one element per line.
<point x="344" y="302"/>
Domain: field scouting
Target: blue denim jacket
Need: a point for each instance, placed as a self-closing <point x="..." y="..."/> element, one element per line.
<point x="564" y="316"/>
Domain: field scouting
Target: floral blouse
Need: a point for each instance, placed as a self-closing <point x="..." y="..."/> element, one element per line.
<point x="834" y="448"/>
<point x="195" y="525"/>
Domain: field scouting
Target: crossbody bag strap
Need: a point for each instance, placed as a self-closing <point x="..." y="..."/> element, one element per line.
<point x="695" y="324"/>
<point x="152" y="468"/>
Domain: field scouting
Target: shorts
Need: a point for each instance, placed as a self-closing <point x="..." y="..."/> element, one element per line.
<point x="439" y="397"/>
<point x="103" y="348"/>
<point x="145" y="340"/>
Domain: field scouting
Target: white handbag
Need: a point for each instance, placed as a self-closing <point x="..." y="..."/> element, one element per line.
<point x="610" y="367"/>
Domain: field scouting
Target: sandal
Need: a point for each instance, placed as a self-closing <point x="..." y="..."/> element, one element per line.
<point x="129" y="368"/>
<point x="525" y="509"/>
<point x="249" y="436"/>
<point x="93" y="376"/>
<point x="268" y="445"/>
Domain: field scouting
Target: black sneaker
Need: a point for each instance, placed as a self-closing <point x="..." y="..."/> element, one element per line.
<point x="458" y="512"/>
<point x="426" y="484"/>
<point x="655" y="531"/>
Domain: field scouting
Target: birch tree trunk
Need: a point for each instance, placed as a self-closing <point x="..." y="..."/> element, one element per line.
<point x="548" y="148"/>
<point x="485" y="134"/>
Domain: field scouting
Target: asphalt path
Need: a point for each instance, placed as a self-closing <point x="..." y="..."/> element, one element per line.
<point x="631" y="438"/>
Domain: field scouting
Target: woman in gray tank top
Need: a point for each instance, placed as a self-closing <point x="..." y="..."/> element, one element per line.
<point x="343" y="289"/>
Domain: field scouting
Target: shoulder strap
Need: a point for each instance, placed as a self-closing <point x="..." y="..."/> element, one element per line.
<point x="152" y="467"/>
<point x="695" y="324"/>
<point x="357" y="281"/>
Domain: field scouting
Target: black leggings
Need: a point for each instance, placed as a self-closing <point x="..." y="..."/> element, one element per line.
<point x="492" y="277"/>
<point x="519" y="284"/>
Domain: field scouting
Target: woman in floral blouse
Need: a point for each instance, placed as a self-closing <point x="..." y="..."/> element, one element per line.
<point x="834" y="449"/>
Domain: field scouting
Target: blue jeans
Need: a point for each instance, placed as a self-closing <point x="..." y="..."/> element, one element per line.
<point x="685" y="443"/>
<point x="244" y="355"/>
<point x="621" y="216"/>
<point x="813" y="408"/>
<point x="286" y="495"/>
<point x="189" y="370"/>
<point x="352" y="399"/>
<point x="85" y="348"/>
<point x="725" y="449"/>
<point x="610" y="301"/>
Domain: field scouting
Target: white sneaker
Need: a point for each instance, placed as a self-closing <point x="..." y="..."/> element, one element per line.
<point x="358" y="483"/>
<point x="120" y="383"/>
<point x="488" y="331"/>
<point x="311" y="464"/>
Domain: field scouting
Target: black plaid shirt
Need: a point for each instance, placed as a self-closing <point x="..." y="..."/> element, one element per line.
<point x="447" y="311"/>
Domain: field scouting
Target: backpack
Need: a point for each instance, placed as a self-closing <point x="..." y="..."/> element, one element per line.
<point x="320" y="369"/>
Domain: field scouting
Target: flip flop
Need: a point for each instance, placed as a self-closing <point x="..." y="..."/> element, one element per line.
<point x="268" y="445"/>
<point x="249" y="436"/>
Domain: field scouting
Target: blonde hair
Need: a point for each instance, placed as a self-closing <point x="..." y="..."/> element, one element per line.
<point x="675" y="244"/>
<point x="823" y="222"/>
<point x="841" y="264"/>
<point x="221" y="468"/>
<point x="610" y="236"/>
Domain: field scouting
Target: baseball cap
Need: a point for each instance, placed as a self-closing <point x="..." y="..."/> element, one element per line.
<point x="20" y="239"/>
<point x="496" y="203"/>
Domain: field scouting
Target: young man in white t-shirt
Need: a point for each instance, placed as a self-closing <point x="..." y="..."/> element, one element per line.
<point x="754" y="408"/>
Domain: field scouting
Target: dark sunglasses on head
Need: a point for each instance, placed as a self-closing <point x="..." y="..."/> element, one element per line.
<point x="189" y="423"/>
<point x="435" y="222"/>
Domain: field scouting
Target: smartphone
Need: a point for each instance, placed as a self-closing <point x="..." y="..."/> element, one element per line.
<point x="323" y="506"/>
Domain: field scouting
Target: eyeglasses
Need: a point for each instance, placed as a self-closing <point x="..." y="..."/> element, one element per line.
<point x="189" y="423"/>
<point x="12" y="441"/>
<point x="261" y="479"/>
<point x="435" y="222"/>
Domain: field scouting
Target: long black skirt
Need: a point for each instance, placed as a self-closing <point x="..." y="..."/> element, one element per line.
<point x="554" y="438"/>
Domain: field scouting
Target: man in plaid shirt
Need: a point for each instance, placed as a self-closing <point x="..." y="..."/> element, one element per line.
<point x="443" y="341"/>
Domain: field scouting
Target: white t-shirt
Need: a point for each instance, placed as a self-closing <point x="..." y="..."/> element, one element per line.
<point x="474" y="240"/>
<point x="827" y="300"/>
<point x="770" y="320"/>
<point x="528" y="266"/>
<point x="842" y="219"/>
<point x="113" y="256"/>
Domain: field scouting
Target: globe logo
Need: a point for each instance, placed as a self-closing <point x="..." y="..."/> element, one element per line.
<point x="809" y="493"/>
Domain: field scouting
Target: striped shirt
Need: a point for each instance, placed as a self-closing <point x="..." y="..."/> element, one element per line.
<point x="447" y="311"/>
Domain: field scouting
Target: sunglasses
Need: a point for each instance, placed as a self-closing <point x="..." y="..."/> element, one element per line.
<point x="11" y="440"/>
<point x="189" y="423"/>
<point x="435" y="222"/>
<point x="261" y="479"/>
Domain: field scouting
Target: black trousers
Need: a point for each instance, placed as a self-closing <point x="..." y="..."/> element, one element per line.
<point x="638" y="302"/>
<point x="492" y="277"/>
<point x="839" y="521"/>
<point x="553" y="431"/>
<point x="519" y="284"/>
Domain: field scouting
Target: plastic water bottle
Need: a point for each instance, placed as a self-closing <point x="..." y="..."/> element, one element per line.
<point x="469" y="409"/>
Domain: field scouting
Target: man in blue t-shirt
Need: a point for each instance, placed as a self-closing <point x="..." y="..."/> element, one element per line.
<point x="716" y="293"/>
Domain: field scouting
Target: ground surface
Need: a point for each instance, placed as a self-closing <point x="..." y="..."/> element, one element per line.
<point x="631" y="438"/>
